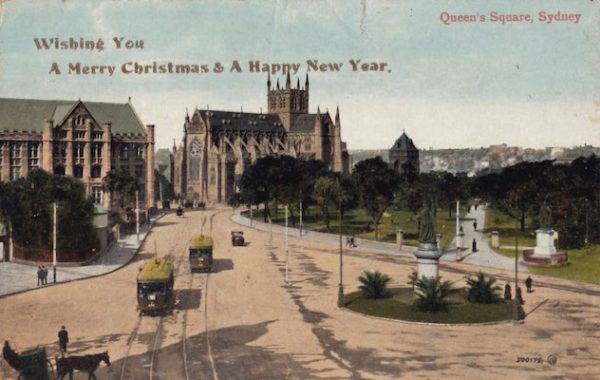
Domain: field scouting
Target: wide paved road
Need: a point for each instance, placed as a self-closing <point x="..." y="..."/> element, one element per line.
<point x="244" y="322"/>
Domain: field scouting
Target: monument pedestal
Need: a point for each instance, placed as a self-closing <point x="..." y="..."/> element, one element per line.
<point x="545" y="253"/>
<point x="428" y="256"/>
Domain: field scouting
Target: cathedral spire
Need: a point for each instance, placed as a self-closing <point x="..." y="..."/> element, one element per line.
<point x="337" y="116"/>
<point x="306" y="82"/>
<point x="288" y="81"/>
<point x="269" y="81"/>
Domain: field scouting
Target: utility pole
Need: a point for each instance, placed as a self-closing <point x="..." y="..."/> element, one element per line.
<point x="137" y="216"/>
<point x="287" y="255"/>
<point x="54" y="223"/>
<point x="516" y="304"/>
<point x="341" y="285"/>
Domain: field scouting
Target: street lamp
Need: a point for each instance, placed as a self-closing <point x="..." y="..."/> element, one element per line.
<point x="516" y="303"/>
<point x="341" y="285"/>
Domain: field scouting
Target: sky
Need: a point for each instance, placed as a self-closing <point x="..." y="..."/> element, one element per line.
<point x="468" y="83"/>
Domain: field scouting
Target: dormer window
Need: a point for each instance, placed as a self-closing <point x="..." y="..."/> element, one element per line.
<point x="80" y="120"/>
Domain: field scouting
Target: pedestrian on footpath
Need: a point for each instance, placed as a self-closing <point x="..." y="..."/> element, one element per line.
<point x="63" y="339"/>
<point x="40" y="275"/>
<point x="529" y="284"/>
<point x="507" y="292"/>
<point x="44" y="275"/>
<point x="475" y="225"/>
<point x="474" y="245"/>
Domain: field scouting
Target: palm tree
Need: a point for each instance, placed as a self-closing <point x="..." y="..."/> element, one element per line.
<point x="432" y="294"/>
<point x="482" y="289"/>
<point x="374" y="284"/>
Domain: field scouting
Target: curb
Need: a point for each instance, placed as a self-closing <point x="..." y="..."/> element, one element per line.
<point x="94" y="275"/>
<point x="403" y="321"/>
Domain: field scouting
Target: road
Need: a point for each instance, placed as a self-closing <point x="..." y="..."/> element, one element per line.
<point x="244" y="322"/>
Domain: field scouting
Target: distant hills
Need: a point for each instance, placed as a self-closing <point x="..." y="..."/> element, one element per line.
<point x="475" y="160"/>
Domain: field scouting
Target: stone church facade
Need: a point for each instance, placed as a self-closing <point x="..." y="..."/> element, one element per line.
<point x="77" y="139"/>
<point x="404" y="154"/>
<point x="218" y="145"/>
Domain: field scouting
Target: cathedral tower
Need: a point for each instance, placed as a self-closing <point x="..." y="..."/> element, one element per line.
<point x="287" y="101"/>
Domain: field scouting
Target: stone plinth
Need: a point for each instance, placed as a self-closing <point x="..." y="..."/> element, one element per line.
<point x="495" y="239"/>
<point x="428" y="256"/>
<point x="399" y="238"/>
<point x="545" y="253"/>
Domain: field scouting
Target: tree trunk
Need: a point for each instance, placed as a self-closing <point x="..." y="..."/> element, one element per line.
<point x="522" y="221"/>
<point x="450" y="211"/>
<point x="292" y="216"/>
<point x="326" y="215"/>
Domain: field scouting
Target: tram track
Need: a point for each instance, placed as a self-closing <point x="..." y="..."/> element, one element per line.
<point x="179" y="247"/>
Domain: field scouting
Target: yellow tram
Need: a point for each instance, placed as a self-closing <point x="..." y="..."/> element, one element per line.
<point x="201" y="253"/>
<point x="155" y="286"/>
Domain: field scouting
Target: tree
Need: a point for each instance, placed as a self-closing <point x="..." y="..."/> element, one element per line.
<point x="482" y="289"/>
<point x="432" y="294"/>
<point x="163" y="189"/>
<point x="30" y="212"/>
<point x="376" y="182"/>
<point x="328" y="194"/>
<point x="374" y="284"/>
<point x="122" y="185"/>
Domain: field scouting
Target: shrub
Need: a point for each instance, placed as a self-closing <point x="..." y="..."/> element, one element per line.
<point x="374" y="284"/>
<point x="432" y="294"/>
<point x="482" y="289"/>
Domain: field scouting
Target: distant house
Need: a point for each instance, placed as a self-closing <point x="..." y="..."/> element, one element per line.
<point x="77" y="139"/>
<point x="404" y="155"/>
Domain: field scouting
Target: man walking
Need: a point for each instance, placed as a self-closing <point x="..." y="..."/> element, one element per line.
<point x="529" y="284"/>
<point x="63" y="339"/>
<point x="40" y="275"/>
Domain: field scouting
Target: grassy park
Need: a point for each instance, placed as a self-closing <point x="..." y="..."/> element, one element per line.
<point x="358" y="224"/>
<point x="401" y="306"/>
<point x="584" y="264"/>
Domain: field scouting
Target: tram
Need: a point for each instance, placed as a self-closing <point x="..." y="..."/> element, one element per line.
<point x="201" y="253"/>
<point x="155" y="286"/>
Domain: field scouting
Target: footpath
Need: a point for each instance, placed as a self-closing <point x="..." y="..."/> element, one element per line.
<point x="17" y="278"/>
<point x="483" y="257"/>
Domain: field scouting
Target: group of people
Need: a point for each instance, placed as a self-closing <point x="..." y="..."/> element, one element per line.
<point x="42" y="275"/>
<point x="350" y="242"/>
<point x="518" y="295"/>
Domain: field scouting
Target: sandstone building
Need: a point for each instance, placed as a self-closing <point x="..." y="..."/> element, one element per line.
<point x="404" y="155"/>
<point x="218" y="145"/>
<point x="78" y="139"/>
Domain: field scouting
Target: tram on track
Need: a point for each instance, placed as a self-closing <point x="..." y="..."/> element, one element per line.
<point x="201" y="253"/>
<point x="155" y="286"/>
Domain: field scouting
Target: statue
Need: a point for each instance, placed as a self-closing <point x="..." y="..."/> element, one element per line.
<point x="427" y="227"/>
<point x="545" y="216"/>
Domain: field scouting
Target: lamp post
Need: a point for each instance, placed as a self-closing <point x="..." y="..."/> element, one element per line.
<point x="287" y="255"/>
<point x="341" y="285"/>
<point x="54" y="223"/>
<point x="516" y="303"/>
<point x="137" y="216"/>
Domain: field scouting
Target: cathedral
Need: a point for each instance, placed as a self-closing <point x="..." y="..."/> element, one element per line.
<point x="218" y="145"/>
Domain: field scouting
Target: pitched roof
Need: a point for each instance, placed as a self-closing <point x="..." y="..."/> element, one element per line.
<point x="30" y="115"/>
<point x="242" y="121"/>
<point x="404" y="143"/>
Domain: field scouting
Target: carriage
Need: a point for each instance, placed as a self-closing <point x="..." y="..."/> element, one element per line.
<point x="155" y="286"/>
<point x="201" y="253"/>
<point x="31" y="364"/>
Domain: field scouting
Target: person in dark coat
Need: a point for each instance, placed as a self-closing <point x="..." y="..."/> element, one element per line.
<point x="507" y="292"/>
<point x="44" y="275"/>
<point x="40" y="275"/>
<point x="474" y="245"/>
<point x="475" y="225"/>
<point x="63" y="339"/>
<point x="529" y="284"/>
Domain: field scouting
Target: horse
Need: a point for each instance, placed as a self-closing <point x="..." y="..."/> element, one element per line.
<point x="86" y="363"/>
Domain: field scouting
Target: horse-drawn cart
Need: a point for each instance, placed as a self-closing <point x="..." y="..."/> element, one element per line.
<point x="31" y="365"/>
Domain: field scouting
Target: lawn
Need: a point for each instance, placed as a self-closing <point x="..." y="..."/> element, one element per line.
<point x="358" y="224"/>
<point x="400" y="306"/>
<point x="584" y="265"/>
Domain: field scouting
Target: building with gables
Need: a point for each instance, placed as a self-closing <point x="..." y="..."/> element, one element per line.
<point x="78" y="139"/>
<point x="404" y="155"/>
<point x="218" y="145"/>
